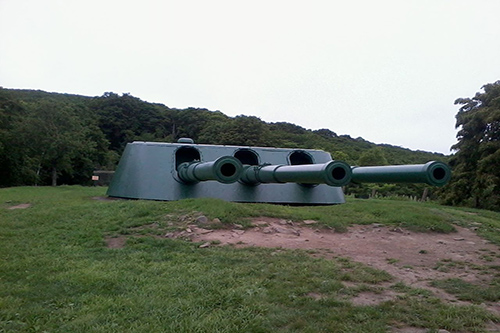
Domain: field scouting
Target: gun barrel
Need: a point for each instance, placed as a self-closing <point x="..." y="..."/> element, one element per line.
<point x="334" y="173"/>
<point x="225" y="169"/>
<point x="432" y="173"/>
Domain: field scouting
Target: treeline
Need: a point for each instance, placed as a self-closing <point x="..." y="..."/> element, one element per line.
<point x="476" y="164"/>
<point x="51" y="138"/>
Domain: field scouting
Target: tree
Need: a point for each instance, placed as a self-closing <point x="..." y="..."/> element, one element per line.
<point x="372" y="157"/>
<point x="126" y="118"/>
<point x="51" y="138"/>
<point x="476" y="171"/>
<point x="241" y="130"/>
<point x="11" y="169"/>
<point x="246" y="130"/>
<point x="326" y="133"/>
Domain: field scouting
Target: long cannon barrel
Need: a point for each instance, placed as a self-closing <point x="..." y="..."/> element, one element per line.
<point x="334" y="173"/>
<point x="225" y="169"/>
<point x="432" y="173"/>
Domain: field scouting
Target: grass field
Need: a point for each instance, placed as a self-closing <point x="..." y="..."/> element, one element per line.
<point x="58" y="275"/>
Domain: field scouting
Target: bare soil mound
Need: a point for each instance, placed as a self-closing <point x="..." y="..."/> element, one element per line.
<point x="20" y="206"/>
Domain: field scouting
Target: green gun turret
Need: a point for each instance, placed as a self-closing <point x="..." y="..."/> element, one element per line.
<point x="173" y="171"/>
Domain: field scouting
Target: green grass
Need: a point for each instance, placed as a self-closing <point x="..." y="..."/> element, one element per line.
<point x="57" y="275"/>
<point x="467" y="291"/>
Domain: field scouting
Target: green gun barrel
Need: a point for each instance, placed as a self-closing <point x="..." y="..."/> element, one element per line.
<point x="432" y="173"/>
<point x="225" y="169"/>
<point x="334" y="173"/>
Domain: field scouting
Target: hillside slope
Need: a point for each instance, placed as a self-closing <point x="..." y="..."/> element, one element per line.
<point x="61" y="138"/>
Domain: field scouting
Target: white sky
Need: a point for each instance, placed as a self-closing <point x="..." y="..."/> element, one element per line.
<point x="388" y="70"/>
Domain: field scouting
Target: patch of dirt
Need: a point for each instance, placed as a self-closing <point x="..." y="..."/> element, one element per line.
<point x="20" y="206"/>
<point x="412" y="330"/>
<point x="372" y="298"/>
<point x="115" y="242"/>
<point x="415" y="259"/>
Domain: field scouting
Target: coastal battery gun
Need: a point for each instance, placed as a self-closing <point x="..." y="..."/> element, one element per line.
<point x="174" y="171"/>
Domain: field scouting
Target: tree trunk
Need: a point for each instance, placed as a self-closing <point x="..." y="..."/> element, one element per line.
<point x="174" y="134"/>
<point x="54" y="176"/>
<point x="38" y="174"/>
<point x="425" y="194"/>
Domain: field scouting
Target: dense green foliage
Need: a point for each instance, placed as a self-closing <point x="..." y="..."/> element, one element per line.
<point x="476" y="165"/>
<point x="59" y="138"/>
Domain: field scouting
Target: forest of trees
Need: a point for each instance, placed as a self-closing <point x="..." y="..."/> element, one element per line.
<point x="51" y="139"/>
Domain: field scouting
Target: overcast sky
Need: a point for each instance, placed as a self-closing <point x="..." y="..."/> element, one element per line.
<point x="387" y="70"/>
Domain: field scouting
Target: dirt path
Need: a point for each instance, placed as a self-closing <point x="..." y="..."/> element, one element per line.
<point x="413" y="258"/>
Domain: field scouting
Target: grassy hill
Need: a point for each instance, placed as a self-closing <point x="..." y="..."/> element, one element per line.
<point x="58" y="274"/>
